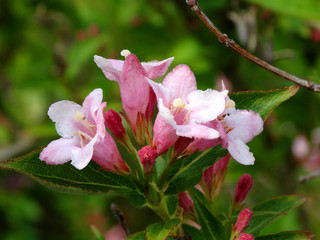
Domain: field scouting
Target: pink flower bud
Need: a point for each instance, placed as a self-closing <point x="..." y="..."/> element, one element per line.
<point x="244" y="218"/>
<point x="180" y="145"/>
<point x="245" y="236"/>
<point x="147" y="156"/>
<point x="220" y="167"/>
<point x="213" y="177"/>
<point x="114" y="123"/>
<point x="186" y="202"/>
<point x="244" y="185"/>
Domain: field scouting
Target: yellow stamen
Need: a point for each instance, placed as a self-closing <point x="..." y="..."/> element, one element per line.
<point x="186" y="116"/>
<point x="83" y="136"/>
<point x="230" y="129"/>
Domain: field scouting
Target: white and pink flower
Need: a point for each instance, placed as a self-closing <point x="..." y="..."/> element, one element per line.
<point x="236" y="128"/>
<point x="136" y="94"/>
<point x="184" y="110"/>
<point x="84" y="136"/>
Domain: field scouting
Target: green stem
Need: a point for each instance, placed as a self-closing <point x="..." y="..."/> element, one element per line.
<point x="164" y="174"/>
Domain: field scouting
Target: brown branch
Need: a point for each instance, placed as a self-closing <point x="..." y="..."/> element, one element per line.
<point x="229" y="43"/>
<point x="118" y="215"/>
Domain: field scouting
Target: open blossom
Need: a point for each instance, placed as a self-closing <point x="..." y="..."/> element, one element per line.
<point x="84" y="136"/>
<point x="236" y="128"/>
<point x="184" y="110"/>
<point x="136" y="94"/>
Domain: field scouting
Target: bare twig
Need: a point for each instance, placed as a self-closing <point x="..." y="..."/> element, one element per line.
<point x="310" y="176"/>
<point x="118" y="215"/>
<point x="223" y="38"/>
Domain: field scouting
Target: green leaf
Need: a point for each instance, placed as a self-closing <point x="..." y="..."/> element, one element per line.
<point x="161" y="231"/>
<point x="308" y="10"/>
<point x="292" y="235"/>
<point x="272" y="207"/>
<point x="67" y="178"/>
<point x="211" y="227"/>
<point x="194" y="232"/>
<point x="187" y="172"/>
<point x="137" y="236"/>
<point x="263" y="102"/>
<point x="172" y="204"/>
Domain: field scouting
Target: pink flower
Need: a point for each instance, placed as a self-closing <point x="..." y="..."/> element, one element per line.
<point x="241" y="126"/>
<point x="84" y="136"/>
<point x="184" y="110"/>
<point x="236" y="128"/>
<point x="136" y="94"/>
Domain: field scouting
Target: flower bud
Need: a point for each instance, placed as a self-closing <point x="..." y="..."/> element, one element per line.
<point x="114" y="123"/>
<point x="180" y="146"/>
<point x="186" y="202"/>
<point x="213" y="177"/>
<point x="220" y="167"/>
<point x="244" y="218"/>
<point x="147" y="156"/>
<point x="245" y="236"/>
<point x="244" y="185"/>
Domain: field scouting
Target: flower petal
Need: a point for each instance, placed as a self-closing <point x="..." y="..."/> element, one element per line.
<point x="62" y="113"/>
<point x="205" y="106"/>
<point x="99" y="121"/>
<point x="91" y="103"/>
<point x="59" y="151"/>
<point x="196" y="131"/>
<point x="81" y="157"/>
<point x="156" y="69"/>
<point x="134" y="88"/>
<point x="164" y="135"/>
<point x="181" y="81"/>
<point x="240" y="152"/>
<point x="110" y="67"/>
<point x="165" y="113"/>
<point x="246" y="124"/>
<point x="106" y="154"/>
<point x="162" y="92"/>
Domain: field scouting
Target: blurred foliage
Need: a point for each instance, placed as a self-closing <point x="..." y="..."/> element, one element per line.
<point x="47" y="49"/>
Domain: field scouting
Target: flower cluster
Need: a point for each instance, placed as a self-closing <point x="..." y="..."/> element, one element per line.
<point x="188" y="119"/>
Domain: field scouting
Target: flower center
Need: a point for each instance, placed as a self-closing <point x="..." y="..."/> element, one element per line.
<point x="178" y="110"/>
<point x="86" y="129"/>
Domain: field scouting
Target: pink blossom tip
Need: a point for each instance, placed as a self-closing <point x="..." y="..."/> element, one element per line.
<point x="244" y="218"/>
<point x="244" y="186"/>
<point x="147" y="156"/>
<point x="114" y="123"/>
<point x="245" y="236"/>
<point x="186" y="202"/>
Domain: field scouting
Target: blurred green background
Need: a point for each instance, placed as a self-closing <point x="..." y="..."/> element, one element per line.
<point x="46" y="52"/>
